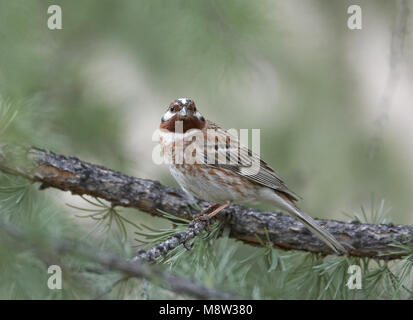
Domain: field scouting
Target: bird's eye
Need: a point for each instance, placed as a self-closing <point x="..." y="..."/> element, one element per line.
<point x="202" y="118"/>
<point x="172" y="109"/>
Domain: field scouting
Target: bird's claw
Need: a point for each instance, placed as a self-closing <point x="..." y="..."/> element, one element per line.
<point x="204" y="217"/>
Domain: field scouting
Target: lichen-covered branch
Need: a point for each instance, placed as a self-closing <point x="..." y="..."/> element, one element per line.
<point x="178" y="238"/>
<point x="246" y="224"/>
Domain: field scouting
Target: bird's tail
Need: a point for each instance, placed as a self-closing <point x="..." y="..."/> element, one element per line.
<point x="319" y="231"/>
<point x="310" y="223"/>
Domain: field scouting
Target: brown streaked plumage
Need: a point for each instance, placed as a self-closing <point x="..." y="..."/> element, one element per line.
<point x="217" y="174"/>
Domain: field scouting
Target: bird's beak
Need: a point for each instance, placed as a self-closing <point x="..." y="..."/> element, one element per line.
<point x="184" y="112"/>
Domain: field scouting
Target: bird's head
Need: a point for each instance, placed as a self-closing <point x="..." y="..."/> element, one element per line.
<point x="184" y="110"/>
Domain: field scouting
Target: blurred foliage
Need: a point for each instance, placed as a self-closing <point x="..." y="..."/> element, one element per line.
<point x="97" y="88"/>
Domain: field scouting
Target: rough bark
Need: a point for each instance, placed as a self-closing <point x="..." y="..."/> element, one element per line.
<point x="246" y="224"/>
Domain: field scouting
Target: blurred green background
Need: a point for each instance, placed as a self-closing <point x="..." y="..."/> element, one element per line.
<point x="293" y="69"/>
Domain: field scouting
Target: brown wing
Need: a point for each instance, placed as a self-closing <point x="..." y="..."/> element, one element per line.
<point x="246" y="162"/>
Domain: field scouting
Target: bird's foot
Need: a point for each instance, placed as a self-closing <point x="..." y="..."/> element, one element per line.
<point x="209" y="213"/>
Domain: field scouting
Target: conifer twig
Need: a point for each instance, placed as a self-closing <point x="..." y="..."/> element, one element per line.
<point x="178" y="238"/>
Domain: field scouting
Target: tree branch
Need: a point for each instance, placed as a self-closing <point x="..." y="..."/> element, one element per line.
<point x="246" y="224"/>
<point x="164" y="247"/>
<point x="54" y="248"/>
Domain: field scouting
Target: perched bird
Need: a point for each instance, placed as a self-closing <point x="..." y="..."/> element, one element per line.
<point x="210" y="163"/>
